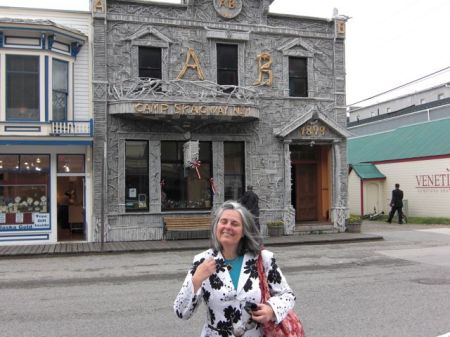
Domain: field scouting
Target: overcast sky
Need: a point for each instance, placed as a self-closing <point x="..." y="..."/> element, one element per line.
<point x="388" y="42"/>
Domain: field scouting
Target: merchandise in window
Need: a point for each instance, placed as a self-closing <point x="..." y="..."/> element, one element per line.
<point x="234" y="175"/>
<point x="136" y="176"/>
<point x="183" y="187"/>
<point x="60" y="82"/>
<point x="298" y="80"/>
<point x="24" y="186"/>
<point x="227" y="65"/>
<point x="22" y="87"/>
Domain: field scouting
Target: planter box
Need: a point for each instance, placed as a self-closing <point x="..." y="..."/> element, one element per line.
<point x="275" y="231"/>
<point x="353" y="227"/>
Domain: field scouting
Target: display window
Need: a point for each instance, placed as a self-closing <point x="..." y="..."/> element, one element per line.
<point x="24" y="192"/>
<point x="182" y="187"/>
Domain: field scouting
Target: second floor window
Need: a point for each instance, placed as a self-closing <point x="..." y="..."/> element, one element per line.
<point x="298" y="79"/>
<point x="60" y="81"/>
<point x="150" y="62"/>
<point x="22" y="87"/>
<point x="227" y="65"/>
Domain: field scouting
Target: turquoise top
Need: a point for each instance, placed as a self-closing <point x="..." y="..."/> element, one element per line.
<point x="234" y="268"/>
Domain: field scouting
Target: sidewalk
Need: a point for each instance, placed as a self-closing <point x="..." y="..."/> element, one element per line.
<point x="86" y="248"/>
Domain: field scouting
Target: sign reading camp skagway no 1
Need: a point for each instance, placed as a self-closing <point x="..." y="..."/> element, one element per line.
<point x="195" y="109"/>
<point x="228" y="8"/>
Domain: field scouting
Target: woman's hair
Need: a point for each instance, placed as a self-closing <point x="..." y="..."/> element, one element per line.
<point x="251" y="242"/>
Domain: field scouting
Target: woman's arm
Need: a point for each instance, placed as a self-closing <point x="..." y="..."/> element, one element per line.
<point x="190" y="295"/>
<point x="282" y="297"/>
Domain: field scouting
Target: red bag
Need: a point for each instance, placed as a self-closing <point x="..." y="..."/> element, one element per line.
<point x="290" y="326"/>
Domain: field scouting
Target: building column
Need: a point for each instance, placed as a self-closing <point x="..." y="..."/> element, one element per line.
<point x="339" y="209"/>
<point x="288" y="211"/>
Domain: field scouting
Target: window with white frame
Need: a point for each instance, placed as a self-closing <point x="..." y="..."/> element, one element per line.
<point x="22" y="87"/>
<point x="60" y="94"/>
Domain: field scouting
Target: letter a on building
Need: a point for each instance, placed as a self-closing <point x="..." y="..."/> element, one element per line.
<point x="191" y="57"/>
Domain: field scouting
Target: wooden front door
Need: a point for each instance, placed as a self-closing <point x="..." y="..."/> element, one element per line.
<point x="306" y="192"/>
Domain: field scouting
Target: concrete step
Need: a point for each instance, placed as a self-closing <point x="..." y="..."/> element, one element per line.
<point x="314" y="228"/>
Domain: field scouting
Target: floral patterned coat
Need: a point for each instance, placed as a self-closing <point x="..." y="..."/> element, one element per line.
<point x="225" y="313"/>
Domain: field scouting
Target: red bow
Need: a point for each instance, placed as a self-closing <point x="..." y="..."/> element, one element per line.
<point x="196" y="164"/>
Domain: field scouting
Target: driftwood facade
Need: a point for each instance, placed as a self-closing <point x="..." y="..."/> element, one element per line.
<point x="195" y="101"/>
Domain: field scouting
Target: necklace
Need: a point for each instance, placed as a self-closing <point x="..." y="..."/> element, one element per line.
<point x="230" y="263"/>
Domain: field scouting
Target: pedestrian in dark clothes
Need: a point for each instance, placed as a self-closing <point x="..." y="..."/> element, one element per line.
<point x="250" y="201"/>
<point x="396" y="204"/>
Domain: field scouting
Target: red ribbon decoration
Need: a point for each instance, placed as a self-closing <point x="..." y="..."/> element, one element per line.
<point x="213" y="187"/>
<point x="196" y="164"/>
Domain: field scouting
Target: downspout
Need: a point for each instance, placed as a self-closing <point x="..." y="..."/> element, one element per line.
<point x="361" y="196"/>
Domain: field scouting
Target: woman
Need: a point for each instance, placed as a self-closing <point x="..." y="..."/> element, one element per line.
<point x="226" y="278"/>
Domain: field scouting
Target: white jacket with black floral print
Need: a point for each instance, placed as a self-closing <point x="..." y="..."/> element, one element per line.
<point x="225" y="314"/>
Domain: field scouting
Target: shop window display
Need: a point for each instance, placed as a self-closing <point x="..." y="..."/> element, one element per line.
<point x="24" y="181"/>
<point x="185" y="187"/>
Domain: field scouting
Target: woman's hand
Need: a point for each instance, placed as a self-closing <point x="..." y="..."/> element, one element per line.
<point x="204" y="270"/>
<point x="263" y="313"/>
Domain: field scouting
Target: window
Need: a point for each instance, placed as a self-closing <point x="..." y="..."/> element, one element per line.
<point x="24" y="191"/>
<point x="227" y="65"/>
<point x="234" y="176"/>
<point x="298" y="79"/>
<point x="60" y="89"/>
<point x="440" y="96"/>
<point x="150" y="62"/>
<point x="136" y="176"/>
<point x="22" y="76"/>
<point x="70" y="163"/>
<point x="182" y="188"/>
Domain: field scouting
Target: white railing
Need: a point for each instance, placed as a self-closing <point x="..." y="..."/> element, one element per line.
<point x="72" y="128"/>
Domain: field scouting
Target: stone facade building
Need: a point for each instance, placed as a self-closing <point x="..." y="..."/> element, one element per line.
<point x="195" y="101"/>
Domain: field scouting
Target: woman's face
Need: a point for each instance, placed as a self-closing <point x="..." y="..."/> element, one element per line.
<point x="230" y="229"/>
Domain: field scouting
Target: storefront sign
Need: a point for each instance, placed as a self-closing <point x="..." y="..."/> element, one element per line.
<point x="41" y="220"/>
<point x="10" y="222"/>
<point x="433" y="182"/>
<point x="192" y="109"/>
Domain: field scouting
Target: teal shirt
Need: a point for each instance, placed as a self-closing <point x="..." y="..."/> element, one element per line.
<point x="235" y="270"/>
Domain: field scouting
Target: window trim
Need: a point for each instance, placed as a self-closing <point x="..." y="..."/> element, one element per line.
<point x="306" y="51"/>
<point x="241" y="53"/>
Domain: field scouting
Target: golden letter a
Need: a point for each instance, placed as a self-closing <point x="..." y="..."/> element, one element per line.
<point x="196" y="65"/>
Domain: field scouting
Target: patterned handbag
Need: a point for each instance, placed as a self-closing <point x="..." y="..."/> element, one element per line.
<point x="288" y="327"/>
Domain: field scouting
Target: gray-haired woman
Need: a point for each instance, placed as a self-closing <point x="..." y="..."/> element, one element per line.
<point x="226" y="278"/>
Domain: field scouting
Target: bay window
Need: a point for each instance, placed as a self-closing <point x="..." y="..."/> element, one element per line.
<point x="22" y="87"/>
<point x="60" y="92"/>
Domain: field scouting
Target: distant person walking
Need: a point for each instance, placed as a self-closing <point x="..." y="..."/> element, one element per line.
<point x="250" y="201"/>
<point x="396" y="204"/>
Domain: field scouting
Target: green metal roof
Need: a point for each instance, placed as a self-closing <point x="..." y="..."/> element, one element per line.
<point x="367" y="171"/>
<point x="412" y="141"/>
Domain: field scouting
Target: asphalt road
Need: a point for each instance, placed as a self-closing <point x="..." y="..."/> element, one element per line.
<point x="399" y="287"/>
